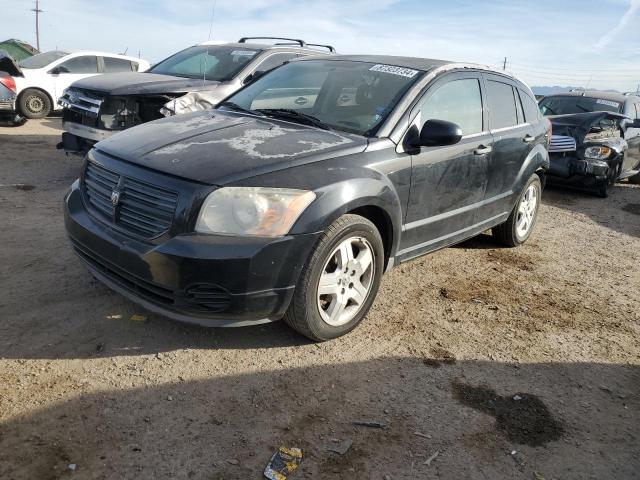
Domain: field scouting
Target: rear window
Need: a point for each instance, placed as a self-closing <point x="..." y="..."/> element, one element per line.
<point x="566" y="104"/>
<point x="530" y="107"/>
<point x="112" y="65"/>
<point x="502" y="105"/>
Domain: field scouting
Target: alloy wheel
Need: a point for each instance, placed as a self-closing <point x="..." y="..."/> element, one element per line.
<point x="527" y="211"/>
<point x="346" y="280"/>
<point x="34" y="104"/>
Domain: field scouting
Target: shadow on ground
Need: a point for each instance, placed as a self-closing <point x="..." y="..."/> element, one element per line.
<point x="485" y="420"/>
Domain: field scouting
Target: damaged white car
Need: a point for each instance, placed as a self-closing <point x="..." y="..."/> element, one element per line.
<point x="196" y="78"/>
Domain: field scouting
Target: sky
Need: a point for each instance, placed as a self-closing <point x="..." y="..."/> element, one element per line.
<point x="581" y="43"/>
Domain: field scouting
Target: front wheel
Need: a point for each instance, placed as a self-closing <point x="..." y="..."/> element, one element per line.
<point x="34" y="104"/>
<point x="339" y="283"/>
<point x="519" y="226"/>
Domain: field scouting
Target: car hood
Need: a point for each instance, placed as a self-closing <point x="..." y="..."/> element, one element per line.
<point x="579" y="125"/>
<point x="134" y="83"/>
<point x="8" y="65"/>
<point x="217" y="147"/>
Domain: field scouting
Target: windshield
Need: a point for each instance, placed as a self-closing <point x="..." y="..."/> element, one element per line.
<point x="563" y="105"/>
<point x="351" y="96"/>
<point x="219" y="63"/>
<point x="42" y="59"/>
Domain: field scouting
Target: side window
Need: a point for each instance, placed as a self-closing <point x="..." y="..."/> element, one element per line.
<point x="135" y="66"/>
<point x="458" y="101"/>
<point x="84" y="64"/>
<point x="273" y="61"/>
<point x="502" y="105"/>
<point x="637" y="110"/>
<point x="112" y="65"/>
<point x="531" y="110"/>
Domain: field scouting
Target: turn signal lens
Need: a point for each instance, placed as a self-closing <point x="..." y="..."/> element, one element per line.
<point x="597" y="153"/>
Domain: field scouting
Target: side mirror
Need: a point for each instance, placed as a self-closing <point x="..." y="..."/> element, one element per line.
<point x="633" y="123"/>
<point x="58" y="70"/>
<point x="254" y="76"/>
<point x="439" y="133"/>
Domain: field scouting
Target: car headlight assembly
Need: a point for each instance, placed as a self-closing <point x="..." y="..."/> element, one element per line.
<point x="597" y="153"/>
<point x="252" y="211"/>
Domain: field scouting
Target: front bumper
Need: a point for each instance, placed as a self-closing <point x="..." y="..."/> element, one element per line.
<point x="209" y="280"/>
<point x="80" y="139"/>
<point x="576" y="172"/>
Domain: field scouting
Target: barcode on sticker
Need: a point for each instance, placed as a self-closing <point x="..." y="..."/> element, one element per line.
<point x="608" y="102"/>
<point x="404" y="72"/>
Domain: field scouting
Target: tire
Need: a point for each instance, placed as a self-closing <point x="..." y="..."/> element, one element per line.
<point x="34" y="104"/>
<point x="323" y="317"/>
<point x="635" y="179"/>
<point x="512" y="232"/>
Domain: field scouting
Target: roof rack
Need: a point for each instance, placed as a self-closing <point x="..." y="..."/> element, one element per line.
<point x="302" y="43"/>
<point x="328" y="47"/>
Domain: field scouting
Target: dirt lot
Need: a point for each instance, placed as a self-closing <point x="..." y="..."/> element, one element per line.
<point x="515" y="364"/>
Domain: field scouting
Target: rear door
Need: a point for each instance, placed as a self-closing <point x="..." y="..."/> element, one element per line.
<point x="73" y="69"/>
<point x="513" y="138"/>
<point x="447" y="183"/>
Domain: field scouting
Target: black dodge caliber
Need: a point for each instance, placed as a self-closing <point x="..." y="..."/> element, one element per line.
<point x="293" y="196"/>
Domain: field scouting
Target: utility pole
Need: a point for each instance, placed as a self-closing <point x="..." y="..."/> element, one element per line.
<point x="504" y="65"/>
<point x="38" y="12"/>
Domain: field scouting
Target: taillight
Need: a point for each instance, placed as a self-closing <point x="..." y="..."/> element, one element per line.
<point x="8" y="82"/>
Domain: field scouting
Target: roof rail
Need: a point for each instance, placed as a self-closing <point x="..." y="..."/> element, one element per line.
<point x="302" y="43"/>
<point x="328" y="47"/>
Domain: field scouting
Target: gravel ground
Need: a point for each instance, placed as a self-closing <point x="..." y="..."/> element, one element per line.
<point x="507" y="363"/>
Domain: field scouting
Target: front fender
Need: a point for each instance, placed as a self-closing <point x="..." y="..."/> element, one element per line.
<point x="345" y="196"/>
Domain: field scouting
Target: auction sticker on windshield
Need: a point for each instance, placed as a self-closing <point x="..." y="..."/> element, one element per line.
<point x="404" y="72"/>
<point x="608" y="102"/>
<point x="243" y="53"/>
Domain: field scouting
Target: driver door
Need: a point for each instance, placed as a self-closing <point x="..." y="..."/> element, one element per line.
<point x="73" y="69"/>
<point x="448" y="183"/>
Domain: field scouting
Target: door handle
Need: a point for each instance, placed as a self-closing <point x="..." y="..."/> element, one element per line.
<point x="528" y="139"/>
<point x="482" y="150"/>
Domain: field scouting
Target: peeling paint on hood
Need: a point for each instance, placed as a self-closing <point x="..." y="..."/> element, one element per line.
<point x="218" y="147"/>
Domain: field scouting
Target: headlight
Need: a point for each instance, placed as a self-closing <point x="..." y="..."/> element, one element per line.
<point x="265" y="212"/>
<point x="597" y="153"/>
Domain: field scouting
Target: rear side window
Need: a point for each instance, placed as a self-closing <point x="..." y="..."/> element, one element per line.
<point x="112" y="65"/>
<point x="458" y="101"/>
<point x="530" y="107"/>
<point x="502" y="105"/>
<point x="274" y="61"/>
<point x="84" y="64"/>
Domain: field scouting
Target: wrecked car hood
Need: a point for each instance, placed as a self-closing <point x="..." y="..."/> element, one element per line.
<point x="8" y="65"/>
<point x="579" y="125"/>
<point x="134" y="83"/>
<point x="217" y="147"/>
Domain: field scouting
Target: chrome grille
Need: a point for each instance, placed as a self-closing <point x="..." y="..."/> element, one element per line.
<point x="136" y="206"/>
<point x="561" y="143"/>
<point x="84" y="103"/>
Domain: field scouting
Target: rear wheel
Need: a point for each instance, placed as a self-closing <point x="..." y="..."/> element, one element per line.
<point x="518" y="227"/>
<point x="339" y="283"/>
<point x="635" y="179"/>
<point x="34" y="103"/>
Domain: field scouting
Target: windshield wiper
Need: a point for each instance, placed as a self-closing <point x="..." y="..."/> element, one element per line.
<point x="237" y="108"/>
<point x="295" y="115"/>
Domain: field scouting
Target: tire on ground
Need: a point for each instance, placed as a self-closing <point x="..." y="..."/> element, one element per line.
<point x="34" y="103"/>
<point x="303" y="314"/>
<point x="506" y="232"/>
